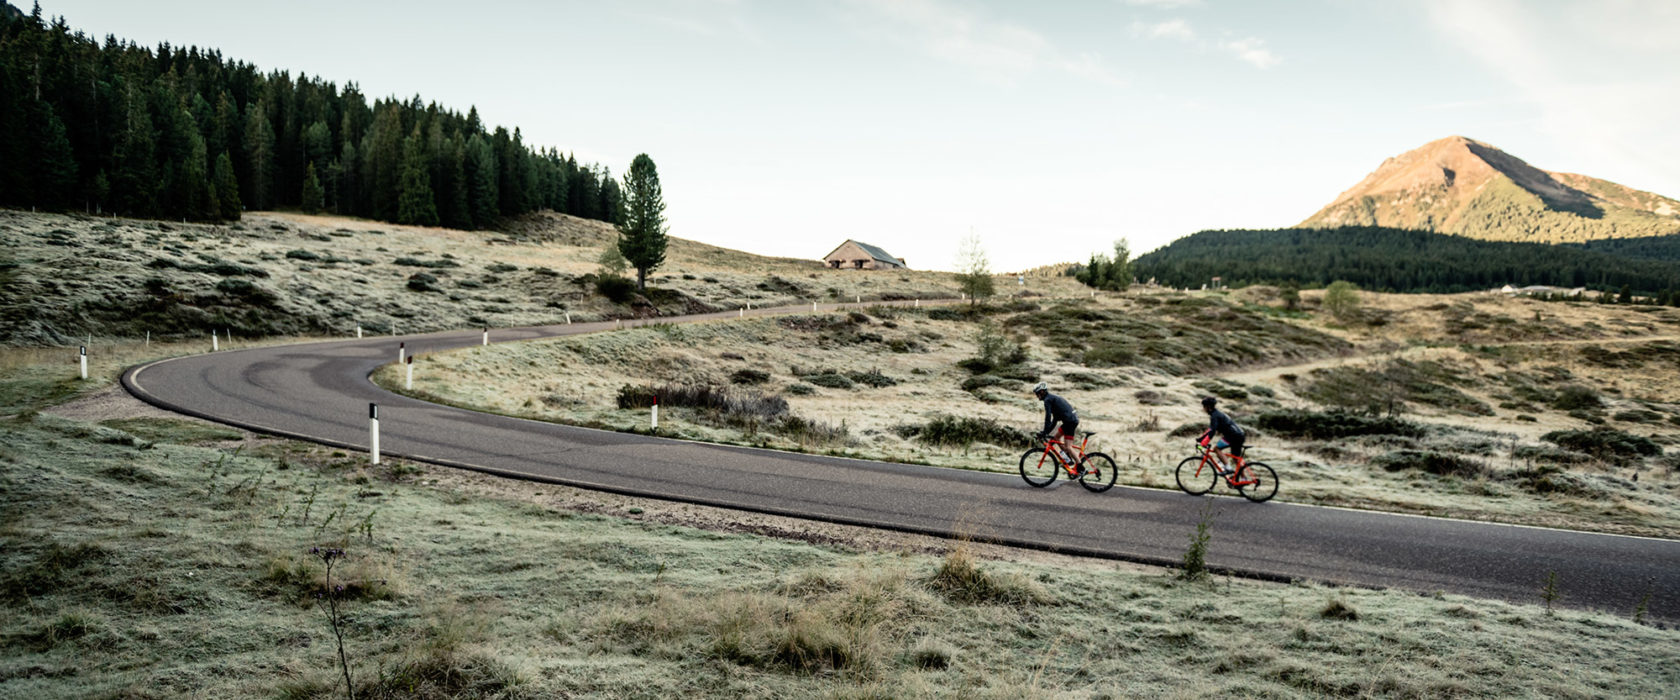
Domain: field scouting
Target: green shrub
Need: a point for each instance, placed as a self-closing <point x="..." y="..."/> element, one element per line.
<point x="831" y="380"/>
<point x="618" y="289"/>
<point x="1604" y="443"/>
<point x="954" y="431"/>
<point x="749" y="376"/>
<point x="422" y="282"/>
<point x="415" y="262"/>
<point x="1330" y="425"/>
<point x="986" y="381"/>
<point x="1638" y="416"/>
<point x="1438" y="463"/>
<point x="302" y="255"/>
<point x="1576" y="398"/>
<point x="502" y="267"/>
<point x="872" y="378"/>
<point x="800" y="389"/>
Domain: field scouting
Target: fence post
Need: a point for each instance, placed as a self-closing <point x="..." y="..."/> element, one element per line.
<point x="373" y="431"/>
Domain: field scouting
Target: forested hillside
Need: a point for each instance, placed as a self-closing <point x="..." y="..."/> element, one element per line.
<point x="184" y="133"/>
<point x="1407" y="261"/>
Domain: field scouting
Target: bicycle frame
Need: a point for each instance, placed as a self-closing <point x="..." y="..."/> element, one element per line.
<point x="1078" y="455"/>
<point x="1213" y="458"/>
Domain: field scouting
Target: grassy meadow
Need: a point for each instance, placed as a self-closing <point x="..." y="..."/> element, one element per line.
<point x="283" y="274"/>
<point x="1475" y="406"/>
<point x="150" y="556"/>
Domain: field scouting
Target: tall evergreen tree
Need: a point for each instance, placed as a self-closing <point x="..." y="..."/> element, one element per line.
<point x="480" y="166"/>
<point x="416" y="205"/>
<point x="312" y="194"/>
<point x="259" y="156"/>
<point x="227" y="189"/>
<point x="641" y="227"/>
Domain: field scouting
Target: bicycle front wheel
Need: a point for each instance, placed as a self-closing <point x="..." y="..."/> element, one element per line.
<point x="1038" y="468"/>
<point x="1265" y="486"/>
<point x="1194" y="478"/>
<point x="1099" y="472"/>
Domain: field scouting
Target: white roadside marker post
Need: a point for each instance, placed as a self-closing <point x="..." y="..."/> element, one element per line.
<point x="813" y="307"/>
<point x="487" y="336"/>
<point x="409" y="383"/>
<point x="918" y="303"/>
<point x="215" y="345"/>
<point x="656" y="413"/>
<point x="743" y="313"/>
<point x="358" y="331"/>
<point x="402" y="351"/>
<point x="373" y="431"/>
<point x="860" y="298"/>
<point x="568" y="318"/>
<point x="148" y="339"/>
<point x="84" y="363"/>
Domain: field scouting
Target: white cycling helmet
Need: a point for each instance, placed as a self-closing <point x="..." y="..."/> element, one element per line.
<point x="1041" y="388"/>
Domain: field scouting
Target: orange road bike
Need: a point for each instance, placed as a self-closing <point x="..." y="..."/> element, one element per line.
<point x="1095" y="471"/>
<point x="1200" y="473"/>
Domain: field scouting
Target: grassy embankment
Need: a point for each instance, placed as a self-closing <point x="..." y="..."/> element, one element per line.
<point x="1509" y="410"/>
<point x="276" y="274"/>
<point x="162" y="558"/>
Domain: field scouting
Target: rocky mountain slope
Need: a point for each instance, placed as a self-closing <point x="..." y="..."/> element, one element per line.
<point x="1464" y="187"/>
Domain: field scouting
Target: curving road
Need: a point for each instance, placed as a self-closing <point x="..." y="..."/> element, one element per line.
<point x="320" y="392"/>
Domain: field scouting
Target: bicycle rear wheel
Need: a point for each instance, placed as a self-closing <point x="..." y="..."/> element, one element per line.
<point x="1100" y="472"/>
<point x="1266" y="485"/>
<point x="1193" y="478"/>
<point x="1038" y="468"/>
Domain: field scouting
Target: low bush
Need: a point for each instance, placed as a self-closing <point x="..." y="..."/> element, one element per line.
<point x="1438" y="463"/>
<point x="415" y="262"/>
<point x="422" y="282"/>
<point x="1576" y="398"/>
<point x="800" y="389"/>
<point x="986" y="381"/>
<point x="749" y="376"/>
<point x="962" y="580"/>
<point x="955" y="431"/>
<point x="872" y="378"/>
<point x="1607" y="444"/>
<point x="618" y="289"/>
<point x="1330" y="425"/>
<point x="830" y="380"/>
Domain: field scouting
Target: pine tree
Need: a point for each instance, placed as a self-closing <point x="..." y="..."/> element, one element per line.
<point x="259" y="155"/>
<point x="480" y="166"/>
<point x="227" y="189"/>
<point x="312" y="195"/>
<point x="641" y="227"/>
<point x="415" y="204"/>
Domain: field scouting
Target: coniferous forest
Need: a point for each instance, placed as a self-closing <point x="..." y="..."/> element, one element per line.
<point x="1397" y="260"/>
<point x="177" y="133"/>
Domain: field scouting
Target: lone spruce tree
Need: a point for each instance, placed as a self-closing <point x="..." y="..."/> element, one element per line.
<point x="312" y="194"/>
<point x="641" y="223"/>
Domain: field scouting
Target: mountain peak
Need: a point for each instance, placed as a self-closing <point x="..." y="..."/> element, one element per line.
<point x="1463" y="186"/>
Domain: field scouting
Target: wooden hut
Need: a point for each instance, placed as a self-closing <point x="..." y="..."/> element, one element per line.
<point x="853" y="255"/>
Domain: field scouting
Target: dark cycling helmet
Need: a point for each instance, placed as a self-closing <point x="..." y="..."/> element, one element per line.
<point x="1209" y="401"/>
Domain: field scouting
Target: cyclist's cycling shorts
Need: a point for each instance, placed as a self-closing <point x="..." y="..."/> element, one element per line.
<point x="1235" y="450"/>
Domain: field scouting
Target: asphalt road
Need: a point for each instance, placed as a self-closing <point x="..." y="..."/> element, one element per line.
<point x="320" y="392"/>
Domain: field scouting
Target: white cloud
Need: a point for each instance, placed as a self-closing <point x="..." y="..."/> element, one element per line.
<point x="1001" y="50"/>
<point x="1253" y="51"/>
<point x="1170" y="29"/>
<point x="1162" y="4"/>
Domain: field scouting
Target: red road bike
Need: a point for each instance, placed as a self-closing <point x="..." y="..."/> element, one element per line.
<point x="1198" y="474"/>
<point x="1094" y="471"/>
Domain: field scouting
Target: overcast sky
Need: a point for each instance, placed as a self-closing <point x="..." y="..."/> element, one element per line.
<point x="1049" y="129"/>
